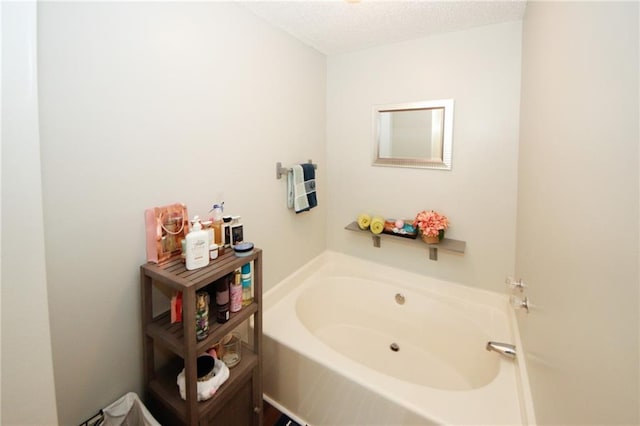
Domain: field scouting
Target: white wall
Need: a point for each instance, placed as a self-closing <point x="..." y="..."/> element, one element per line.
<point x="136" y="99"/>
<point x="480" y="70"/>
<point x="145" y="104"/>
<point x="1" y="73"/>
<point x="28" y="393"/>
<point x="578" y="210"/>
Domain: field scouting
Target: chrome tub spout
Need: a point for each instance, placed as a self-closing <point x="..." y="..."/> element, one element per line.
<point x="504" y="349"/>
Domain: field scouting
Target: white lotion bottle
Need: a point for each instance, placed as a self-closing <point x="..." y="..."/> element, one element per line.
<point x="197" y="255"/>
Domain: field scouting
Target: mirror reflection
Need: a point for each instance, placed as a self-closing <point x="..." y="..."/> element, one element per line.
<point x="414" y="135"/>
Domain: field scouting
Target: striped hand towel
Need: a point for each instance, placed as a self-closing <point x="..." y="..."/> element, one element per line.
<point x="302" y="187"/>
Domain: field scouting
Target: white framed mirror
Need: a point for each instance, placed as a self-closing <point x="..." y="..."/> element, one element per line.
<point x="417" y="134"/>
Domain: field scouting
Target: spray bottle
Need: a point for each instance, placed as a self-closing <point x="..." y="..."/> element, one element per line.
<point x="217" y="210"/>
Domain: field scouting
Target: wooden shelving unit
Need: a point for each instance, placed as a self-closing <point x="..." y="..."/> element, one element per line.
<point x="180" y="339"/>
<point x="447" y="244"/>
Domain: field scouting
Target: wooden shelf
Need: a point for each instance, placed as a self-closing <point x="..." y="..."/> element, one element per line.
<point x="245" y="381"/>
<point x="447" y="244"/>
<point x="175" y="274"/>
<point x="171" y="336"/>
<point x="164" y="387"/>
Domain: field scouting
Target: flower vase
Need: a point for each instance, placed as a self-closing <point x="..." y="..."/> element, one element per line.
<point x="433" y="239"/>
<point x="430" y="240"/>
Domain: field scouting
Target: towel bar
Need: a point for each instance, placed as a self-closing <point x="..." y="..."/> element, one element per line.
<point x="284" y="170"/>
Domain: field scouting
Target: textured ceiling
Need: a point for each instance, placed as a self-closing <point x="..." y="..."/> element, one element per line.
<point x="337" y="26"/>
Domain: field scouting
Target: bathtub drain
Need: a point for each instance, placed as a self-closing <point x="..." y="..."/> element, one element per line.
<point x="394" y="347"/>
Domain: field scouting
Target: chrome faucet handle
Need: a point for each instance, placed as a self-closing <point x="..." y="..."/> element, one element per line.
<point x="517" y="302"/>
<point x="513" y="284"/>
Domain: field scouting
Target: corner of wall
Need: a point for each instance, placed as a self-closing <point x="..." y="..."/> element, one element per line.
<point x="26" y="339"/>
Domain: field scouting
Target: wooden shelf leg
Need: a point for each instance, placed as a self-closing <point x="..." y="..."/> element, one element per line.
<point x="433" y="253"/>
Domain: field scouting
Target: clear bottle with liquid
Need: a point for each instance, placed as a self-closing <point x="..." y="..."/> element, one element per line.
<point x="216" y="218"/>
<point x="236" y="292"/>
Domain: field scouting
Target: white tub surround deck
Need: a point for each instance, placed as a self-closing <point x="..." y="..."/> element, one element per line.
<point x="341" y="350"/>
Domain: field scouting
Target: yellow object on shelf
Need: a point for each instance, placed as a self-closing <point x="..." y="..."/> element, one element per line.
<point x="364" y="220"/>
<point x="377" y="225"/>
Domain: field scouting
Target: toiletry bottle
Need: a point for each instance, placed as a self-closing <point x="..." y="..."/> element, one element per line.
<point x="197" y="246"/>
<point x="222" y="299"/>
<point x="217" y="232"/>
<point x="236" y="292"/>
<point x="207" y="226"/>
<point x="202" y="315"/>
<point x="247" y="299"/>
<point x="237" y="234"/>
<point x="217" y="210"/>
<point x="226" y="231"/>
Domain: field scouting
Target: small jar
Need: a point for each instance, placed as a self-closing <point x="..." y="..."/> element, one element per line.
<point x="213" y="251"/>
<point x="232" y="353"/>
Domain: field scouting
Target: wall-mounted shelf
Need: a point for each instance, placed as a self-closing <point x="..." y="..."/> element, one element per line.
<point x="447" y="244"/>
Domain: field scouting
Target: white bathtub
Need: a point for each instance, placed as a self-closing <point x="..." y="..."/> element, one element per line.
<point x="328" y="332"/>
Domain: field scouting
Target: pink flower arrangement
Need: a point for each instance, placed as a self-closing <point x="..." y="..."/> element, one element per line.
<point x="431" y="223"/>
